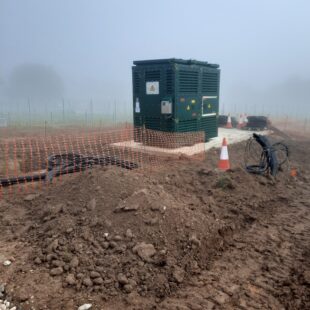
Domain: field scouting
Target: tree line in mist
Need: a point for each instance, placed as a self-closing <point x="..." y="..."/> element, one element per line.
<point x="36" y="90"/>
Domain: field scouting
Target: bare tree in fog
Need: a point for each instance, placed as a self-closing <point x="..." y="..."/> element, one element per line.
<point x="38" y="83"/>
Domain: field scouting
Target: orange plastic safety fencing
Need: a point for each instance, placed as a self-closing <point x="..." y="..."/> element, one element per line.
<point x="32" y="162"/>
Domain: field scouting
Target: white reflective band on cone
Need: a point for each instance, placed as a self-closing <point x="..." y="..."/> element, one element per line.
<point x="224" y="153"/>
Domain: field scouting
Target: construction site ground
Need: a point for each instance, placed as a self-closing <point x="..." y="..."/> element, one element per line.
<point x="185" y="236"/>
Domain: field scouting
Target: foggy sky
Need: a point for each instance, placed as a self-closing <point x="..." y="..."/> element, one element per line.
<point x="262" y="46"/>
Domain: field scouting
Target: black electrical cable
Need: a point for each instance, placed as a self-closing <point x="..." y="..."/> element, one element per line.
<point x="66" y="164"/>
<point x="282" y="152"/>
<point x="268" y="158"/>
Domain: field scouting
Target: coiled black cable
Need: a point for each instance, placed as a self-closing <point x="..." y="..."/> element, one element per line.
<point x="262" y="157"/>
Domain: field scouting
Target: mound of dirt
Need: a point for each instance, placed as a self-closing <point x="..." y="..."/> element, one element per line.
<point x="112" y="237"/>
<point x="116" y="232"/>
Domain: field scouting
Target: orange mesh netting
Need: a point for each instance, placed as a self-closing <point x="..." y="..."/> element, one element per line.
<point x="29" y="162"/>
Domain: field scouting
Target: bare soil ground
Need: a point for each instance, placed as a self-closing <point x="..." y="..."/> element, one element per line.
<point x="182" y="237"/>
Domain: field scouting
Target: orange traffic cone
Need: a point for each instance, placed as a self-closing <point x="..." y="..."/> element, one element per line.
<point x="228" y="125"/>
<point x="245" y="120"/>
<point x="224" y="158"/>
<point x="293" y="172"/>
<point x="240" y="122"/>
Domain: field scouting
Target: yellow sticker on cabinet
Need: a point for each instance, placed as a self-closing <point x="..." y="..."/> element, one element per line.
<point x="188" y="108"/>
<point x="193" y="101"/>
<point x="209" y="106"/>
<point x="152" y="88"/>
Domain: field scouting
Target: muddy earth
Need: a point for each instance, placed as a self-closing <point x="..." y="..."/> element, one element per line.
<point x="185" y="236"/>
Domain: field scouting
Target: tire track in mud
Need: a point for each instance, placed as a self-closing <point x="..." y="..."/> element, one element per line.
<point x="265" y="267"/>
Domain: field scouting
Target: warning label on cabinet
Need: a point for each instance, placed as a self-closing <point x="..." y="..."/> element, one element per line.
<point x="152" y="88"/>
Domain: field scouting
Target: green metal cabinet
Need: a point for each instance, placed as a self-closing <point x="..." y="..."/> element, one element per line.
<point x="176" y="95"/>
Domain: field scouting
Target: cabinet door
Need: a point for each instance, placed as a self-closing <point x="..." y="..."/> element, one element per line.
<point x="209" y="105"/>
